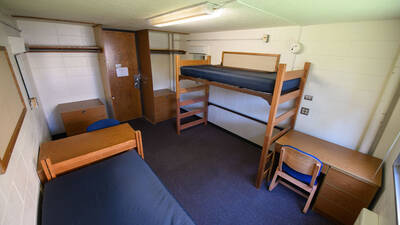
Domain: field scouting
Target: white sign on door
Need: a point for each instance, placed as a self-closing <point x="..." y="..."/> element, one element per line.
<point x="122" y="72"/>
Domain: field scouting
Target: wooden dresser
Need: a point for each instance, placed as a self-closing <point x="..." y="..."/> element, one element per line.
<point x="77" y="116"/>
<point x="164" y="105"/>
<point x="350" y="182"/>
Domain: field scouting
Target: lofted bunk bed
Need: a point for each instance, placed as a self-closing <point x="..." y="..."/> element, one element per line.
<point x="255" y="74"/>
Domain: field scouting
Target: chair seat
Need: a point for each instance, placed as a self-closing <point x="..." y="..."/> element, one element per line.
<point x="299" y="176"/>
<point x="102" y="124"/>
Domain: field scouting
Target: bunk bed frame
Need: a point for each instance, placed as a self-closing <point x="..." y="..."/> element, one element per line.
<point x="274" y="99"/>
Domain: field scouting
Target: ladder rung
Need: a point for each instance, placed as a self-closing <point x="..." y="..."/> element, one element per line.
<point x="193" y="123"/>
<point x="191" y="113"/>
<point x="192" y="101"/>
<point x="280" y="134"/>
<point x="285" y="116"/>
<point x="193" y="89"/>
<point x="289" y="96"/>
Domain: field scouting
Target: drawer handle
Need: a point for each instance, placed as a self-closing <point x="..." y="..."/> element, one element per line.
<point x="83" y="111"/>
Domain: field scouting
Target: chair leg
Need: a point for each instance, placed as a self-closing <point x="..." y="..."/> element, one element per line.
<point x="274" y="182"/>
<point x="310" y="197"/>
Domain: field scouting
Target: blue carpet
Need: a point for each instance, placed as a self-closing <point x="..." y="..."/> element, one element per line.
<point x="212" y="174"/>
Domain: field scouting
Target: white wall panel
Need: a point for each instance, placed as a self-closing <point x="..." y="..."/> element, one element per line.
<point x="62" y="77"/>
<point x="19" y="186"/>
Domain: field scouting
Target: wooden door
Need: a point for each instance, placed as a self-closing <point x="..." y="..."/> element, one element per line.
<point x="120" y="51"/>
<point x="143" y="45"/>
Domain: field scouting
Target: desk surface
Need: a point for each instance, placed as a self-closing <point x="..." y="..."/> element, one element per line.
<point x="348" y="161"/>
<point x="74" y="146"/>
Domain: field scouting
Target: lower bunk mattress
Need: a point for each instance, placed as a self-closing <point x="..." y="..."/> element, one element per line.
<point x="254" y="80"/>
<point x="120" y="190"/>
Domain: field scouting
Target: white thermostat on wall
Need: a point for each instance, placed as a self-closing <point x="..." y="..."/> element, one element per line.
<point x="296" y="48"/>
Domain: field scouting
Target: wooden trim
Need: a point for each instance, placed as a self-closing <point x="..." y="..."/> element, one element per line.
<point x="5" y="159"/>
<point x="52" y="19"/>
<point x="51" y="48"/>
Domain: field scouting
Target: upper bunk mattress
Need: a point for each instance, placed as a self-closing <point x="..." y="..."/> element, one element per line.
<point x="254" y="80"/>
<point x="120" y="190"/>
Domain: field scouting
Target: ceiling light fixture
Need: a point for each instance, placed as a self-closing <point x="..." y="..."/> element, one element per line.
<point x="202" y="11"/>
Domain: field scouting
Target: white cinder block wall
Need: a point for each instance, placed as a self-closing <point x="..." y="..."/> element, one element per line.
<point x="19" y="186"/>
<point x="62" y="77"/>
<point x="350" y="62"/>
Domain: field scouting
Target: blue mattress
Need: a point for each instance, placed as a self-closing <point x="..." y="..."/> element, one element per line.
<point x="254" y="80"/>
<point x="120" y="190"/>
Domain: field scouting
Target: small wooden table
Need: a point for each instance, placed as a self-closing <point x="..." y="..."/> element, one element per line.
<point x="60" y="156"/>
<point x="351" y="180"/>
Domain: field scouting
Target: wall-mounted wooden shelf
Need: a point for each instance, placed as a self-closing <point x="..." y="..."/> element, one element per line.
<point x="167" y="51"/>
<point x="52" y="48"/>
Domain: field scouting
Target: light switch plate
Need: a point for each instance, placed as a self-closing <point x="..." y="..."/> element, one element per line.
<point x="308" y="97"/>
<point x="304" y="111"/>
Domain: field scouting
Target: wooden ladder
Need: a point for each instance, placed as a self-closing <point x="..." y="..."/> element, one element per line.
<point x="196" y="111"/>
<point x="268" y="157"/>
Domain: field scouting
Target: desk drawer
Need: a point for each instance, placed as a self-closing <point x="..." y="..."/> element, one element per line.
<point x="342" y="199"/>
<point x="358" y="189"/>
<point x="330" y="209"/>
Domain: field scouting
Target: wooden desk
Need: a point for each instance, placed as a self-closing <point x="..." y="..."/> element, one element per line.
<point x="350" y="183"/>
<point x="60" y="156"/>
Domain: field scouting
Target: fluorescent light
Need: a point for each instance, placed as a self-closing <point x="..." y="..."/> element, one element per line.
<point x="193" y="13"/>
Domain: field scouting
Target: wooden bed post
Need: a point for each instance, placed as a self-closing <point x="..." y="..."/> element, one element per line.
<point x="277" y="99"/>
<point x="270" y="125"/>
<point x="177" y="92"/>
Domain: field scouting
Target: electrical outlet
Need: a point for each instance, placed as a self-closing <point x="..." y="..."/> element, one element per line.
<point x="304" y="111"/>
<point x="308" y="97"/>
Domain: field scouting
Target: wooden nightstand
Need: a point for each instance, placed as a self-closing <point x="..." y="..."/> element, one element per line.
<point x="77" y="116"/>
<point x="164" y="105"/>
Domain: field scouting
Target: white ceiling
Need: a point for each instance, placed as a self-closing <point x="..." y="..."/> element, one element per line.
<point x="241" y="14"/>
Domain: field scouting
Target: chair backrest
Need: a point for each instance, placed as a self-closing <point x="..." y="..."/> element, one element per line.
<point x="300" y="161"/>
<point x="100" y="124"/>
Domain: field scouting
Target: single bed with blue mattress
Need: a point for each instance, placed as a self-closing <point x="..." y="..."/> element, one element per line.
<point x="119" y="190"/>
<point x="250" y="79"/>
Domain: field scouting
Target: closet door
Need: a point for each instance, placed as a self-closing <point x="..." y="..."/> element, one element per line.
<point x="122" y="66"/>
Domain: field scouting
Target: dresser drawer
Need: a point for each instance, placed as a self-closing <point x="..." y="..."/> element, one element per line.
<point x="358" y="189"/>
<point x="330" y="209"/>
<point x="342" y="199"/>
<point x="76" y="122"/>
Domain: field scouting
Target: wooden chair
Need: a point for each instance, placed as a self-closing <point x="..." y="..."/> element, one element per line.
<point x="300" y="169"/>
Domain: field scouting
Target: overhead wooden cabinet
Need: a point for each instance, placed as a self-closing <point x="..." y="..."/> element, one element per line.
<point x="119" y="68"/>
<point x="156" y="61"/>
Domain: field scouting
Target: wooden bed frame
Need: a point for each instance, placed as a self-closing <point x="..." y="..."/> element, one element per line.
<point x="274" y="99"/>
<point x="64" y="155"/>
